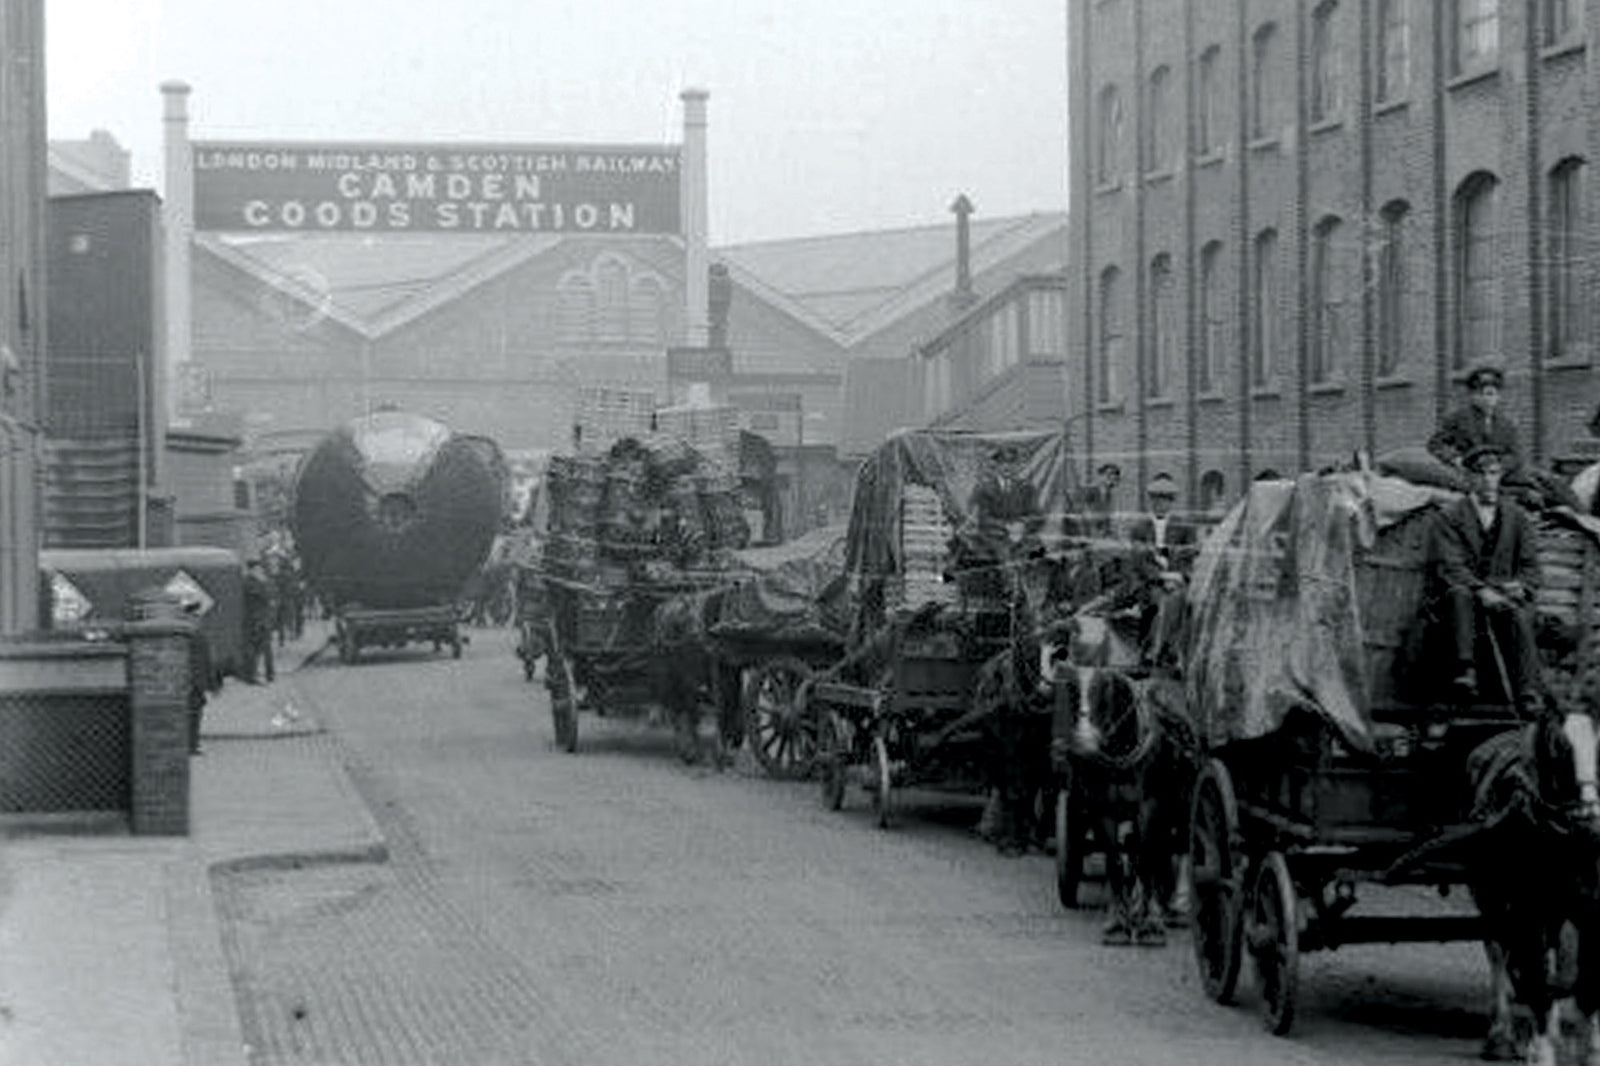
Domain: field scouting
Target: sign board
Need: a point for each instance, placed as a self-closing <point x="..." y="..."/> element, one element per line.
<point x="188" y="591"/>
<point x="436" y="188"/>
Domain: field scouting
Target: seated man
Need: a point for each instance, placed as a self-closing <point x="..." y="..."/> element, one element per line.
<point x="1173" y="544"/>
<point x="1478" y="422"/>
<point x="1483" y="571"/>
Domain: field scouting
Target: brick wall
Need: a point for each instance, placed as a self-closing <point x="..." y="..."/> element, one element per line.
<point x="1328" y="186"/>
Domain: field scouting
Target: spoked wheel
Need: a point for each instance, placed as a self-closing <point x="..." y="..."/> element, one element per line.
<point x="832" y="751"/>
<point x="1274" y="939"/>
<point x="1072" y="842"/>
<point x="783" y="737"/>
<point x="883" y="771"/>
<point x="563" y="699"/>
<point x="1218" y="880"/>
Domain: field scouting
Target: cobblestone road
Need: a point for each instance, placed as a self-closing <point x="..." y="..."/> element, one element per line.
<point x="617" y="907"/>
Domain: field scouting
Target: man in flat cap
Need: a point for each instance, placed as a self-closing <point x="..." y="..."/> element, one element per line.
<point x="1483" y="572"/>
<point x="1172" y="539"/>
<point x="1479" y="421"/>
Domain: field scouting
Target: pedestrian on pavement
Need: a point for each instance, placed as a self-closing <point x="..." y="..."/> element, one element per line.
<point x="203" y="678"/>
<point x="259" y="615"/>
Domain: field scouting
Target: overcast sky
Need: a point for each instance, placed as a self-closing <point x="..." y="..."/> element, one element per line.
<point x="825" y="116"/>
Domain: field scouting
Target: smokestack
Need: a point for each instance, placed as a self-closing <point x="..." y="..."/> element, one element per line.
<point x="963" y="295"/>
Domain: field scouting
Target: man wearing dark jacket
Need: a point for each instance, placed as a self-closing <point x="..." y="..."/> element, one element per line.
<point x="1484" y="571"/>
<point x="1479" y="422"/>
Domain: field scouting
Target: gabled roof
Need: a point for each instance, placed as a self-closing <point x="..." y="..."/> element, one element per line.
<point x="846" y="287"/>
<point x="850" y="286"/>
<point x="372" y="285"/>
<point x="98" y="164"/>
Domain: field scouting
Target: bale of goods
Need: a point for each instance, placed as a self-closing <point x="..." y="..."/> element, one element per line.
<point x="395" y="511"/>
<point x="925" y="534"/>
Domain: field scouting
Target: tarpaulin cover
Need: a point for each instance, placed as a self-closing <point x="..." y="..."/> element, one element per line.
<point x="1276" y="622"/>
<point x="951" y="463"/>
<point x="790" y="591"/>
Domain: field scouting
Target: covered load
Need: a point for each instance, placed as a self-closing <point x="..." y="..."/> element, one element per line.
<point x="1310" y="594"/>
<point x="395" y="511"/>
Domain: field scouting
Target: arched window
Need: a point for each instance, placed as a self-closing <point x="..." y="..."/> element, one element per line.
<point x="1476" y="271"/>
<point x="575" y="308"/>
<point x="1330" y="332"/>
<point x="1109" y="141"/>
<point x="1263" y="117"/>
<point x="1264" y="339"/>
<point x="1562" y="19"/>
<point x="1393" y="279"/>
<point x="1213" y="489"/>
<point x="1394" y="49"/>
<point x="1163" y="344"/>
<point x="1327" y="64"/>
<point x="1208" y="109"/>
<point x="611" y="289"/>
<point x="1566" y="325"/>
<point x="1108" y="385"/>
<point x="646" y="302"/>
<point x="1212" y="318"/>
<point x="1159" y="126"/>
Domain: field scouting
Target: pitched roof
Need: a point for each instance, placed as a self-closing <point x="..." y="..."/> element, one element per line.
<point x="850" y="286"/>
<point x="846" y="286"/>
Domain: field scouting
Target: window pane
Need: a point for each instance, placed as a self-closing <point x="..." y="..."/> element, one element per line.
<point x="1478" y="282"/>
<point x="1211" y="308"/>
<point x="1265" y="349"/>
<point x="1110" y="337"/>
<point x="1391" y="292"/>
<point x="1394" y="70"/>
<point x="1565" y="230"/>
<point x="1477" y="32"/>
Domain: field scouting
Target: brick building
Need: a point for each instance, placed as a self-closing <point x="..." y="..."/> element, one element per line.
<point x="1294" y="225"/>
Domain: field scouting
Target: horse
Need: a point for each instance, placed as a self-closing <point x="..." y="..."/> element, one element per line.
<point x="1535" y="877"/>
<point x="1128" y="758"/>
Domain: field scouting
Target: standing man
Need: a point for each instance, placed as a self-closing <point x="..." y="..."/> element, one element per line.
<point x="1099" y="500"/>
<point x="1478" y="422"/>
<point x="259" y="615"/>
<point x="1484" y="571"/>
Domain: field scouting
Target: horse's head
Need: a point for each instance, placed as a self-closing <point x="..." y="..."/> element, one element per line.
<point x="1567" y="765"/>
<point x="1099" y="715"/>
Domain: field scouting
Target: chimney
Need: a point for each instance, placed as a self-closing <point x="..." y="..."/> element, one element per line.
<point x="963" y="296"/>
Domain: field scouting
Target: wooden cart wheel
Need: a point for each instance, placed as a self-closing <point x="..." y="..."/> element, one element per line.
<point x="782" y="738"/>
<point x="1218" y="878"/>
<point x="563" y="703"/>
<point x="1072" y="841"/>
<point x="831" y="755"/>
<point x="1274" y="939"/>
<point x="883" y="795"/>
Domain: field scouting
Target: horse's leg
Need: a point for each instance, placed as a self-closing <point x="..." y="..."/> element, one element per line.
<point x="1119" y="927"/>
<point x="1500" y="1042"/>
<point x="1152" y="867"/>
<point x="1526" y="968"/>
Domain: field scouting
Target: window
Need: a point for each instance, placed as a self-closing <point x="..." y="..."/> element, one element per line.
<point x="1110" y="138"/>
<point x="1163" y="327"/>
<point x="1262" y="118"/>
<point x="574" y="309"/>
<point x="1392" y="281"/>
<point x="1565" y="234"/>
<point x="1330" y="332"/>
<point x="1264" y="342"/>
<point x="1208" y="108"/>
<point x="1476" y="272"/>
<point x="612" y="302"/>
<point x="1107" y="384"/>
<point x="1394" y="50"/>
<point x="1476" y="36"/>
<point x="1159" y="126"/>
<point x="1211" y="325"/>
<point x="1562" y="19"/>
<point x="1327" y="73"/>
<point x="1213" y="487"/>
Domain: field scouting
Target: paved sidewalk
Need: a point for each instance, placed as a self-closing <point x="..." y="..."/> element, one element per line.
<point x="110" y="949"/>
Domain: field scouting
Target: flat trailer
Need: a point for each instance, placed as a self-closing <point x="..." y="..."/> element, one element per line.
<point x="360" y="627"/>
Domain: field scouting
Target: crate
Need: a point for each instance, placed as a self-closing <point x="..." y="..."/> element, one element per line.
<point x="607" y="414"/>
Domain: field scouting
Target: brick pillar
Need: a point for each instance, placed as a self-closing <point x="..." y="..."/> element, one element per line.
<point x="158" y="681"/>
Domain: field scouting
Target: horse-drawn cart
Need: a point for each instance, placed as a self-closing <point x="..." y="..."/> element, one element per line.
<point x="939" y="582"/>
<point x="638" y="538"/>
<point x="1334" y="757"/>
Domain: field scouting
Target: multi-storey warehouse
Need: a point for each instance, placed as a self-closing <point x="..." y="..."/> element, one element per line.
<point x="1295" y="224"/>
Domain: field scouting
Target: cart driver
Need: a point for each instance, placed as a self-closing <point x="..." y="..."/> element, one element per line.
<point x="1484" y="570"/>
